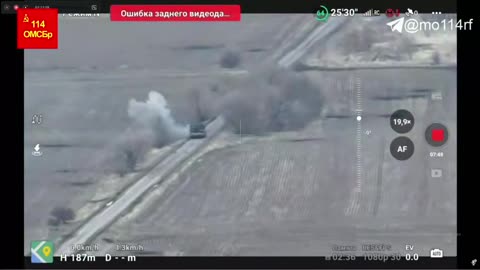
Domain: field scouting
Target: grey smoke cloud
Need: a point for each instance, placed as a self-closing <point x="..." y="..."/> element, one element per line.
<point x="265" y="101"/>
<point x="269" y="101"/>
<point x="152" y="125"/>
<point x="154" y="114"/>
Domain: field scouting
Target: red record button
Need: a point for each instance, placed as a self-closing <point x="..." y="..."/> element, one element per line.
<point x="436" y="134"/>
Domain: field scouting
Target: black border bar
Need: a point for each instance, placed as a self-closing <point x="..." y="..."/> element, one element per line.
<point x="249" y="262"/>
<point x="12" y="123"/>
<point x="311" y="6"/>
<point x="468" y="96"/>
<point x="62" y="6"/>
<point x="262" y="6"/>
<point x="467" y="188"/>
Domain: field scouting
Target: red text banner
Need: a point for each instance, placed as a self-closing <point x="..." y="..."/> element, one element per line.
<point x="169" y="13"/>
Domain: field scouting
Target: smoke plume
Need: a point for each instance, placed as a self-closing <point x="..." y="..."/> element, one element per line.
<point x="265" y="101"/>
<point x="270" y="101"/>
<point x="155" y="115"/>
<point x="152" y="125"/>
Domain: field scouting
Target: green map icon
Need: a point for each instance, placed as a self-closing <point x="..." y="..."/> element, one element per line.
<point x="42" y="251"/>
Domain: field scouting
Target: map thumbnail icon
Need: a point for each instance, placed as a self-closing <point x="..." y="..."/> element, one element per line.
<point x="42" y="251"/>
